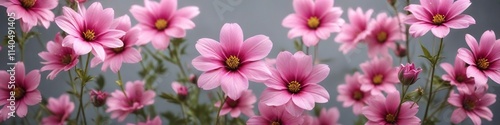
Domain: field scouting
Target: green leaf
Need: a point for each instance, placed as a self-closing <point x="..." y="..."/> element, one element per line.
<point x="100" y="82"/>
<point x="298" y="45"/>
<point x="426" y="52"/>
<point x="172" y="118"/>
<point x="170" y="98"/>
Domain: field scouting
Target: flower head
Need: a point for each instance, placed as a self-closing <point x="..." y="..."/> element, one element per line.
<point x="120" y="104"/>
<point x="232" y="61"/>
<point x="244" y="105"/>
<point x="438" y="16"/>
<point x="329" y="117"/>
<point x="60" y="110"/>
<point x="180" y="90"/>
<point x="58" y="58"/>
<point x="408" y="74"/>
<point x="354" y="32"/>
<point x="383" y="35"/>
<point x="31" y="12"/>
<point x="383" y="111"/>
<point x="350" y="93"/>
<point x="474" y="105"/>
<point x="274" y="115"/>
<point x="98" y="97"/>
<point x="457" y="76"/>
<point x="379" y="75"/>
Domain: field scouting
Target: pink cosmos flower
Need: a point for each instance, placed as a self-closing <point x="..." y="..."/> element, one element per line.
<point x="457" y="76"/>
<point x="31" y="12"/>
<point x="25" y="90"/>
<point x="89" y="30"/>
<point x="232" y="61"/>
<point x="57" y="58"/>
<point x="329" y="117"/>
<point x="313" y="20"/>
<point x="274" y="115"/>
<point x="384" y="34"/>
<point x="120" y="105"/>
<point x="408" y="74"/>
<point x="125" y="54"/>
<point x="438" y="16"/>
<point x="474" y="105"/>
<point x="60" y="110"/>
<point x="483" y="59"/>
<point x="378" y="76"/>
<point x="355" y="32"/>
<point x="294" y="83"/>
<point x="242" y="105"/>
<point x="383" y="111"/>
<point x="160" y="21"/>
<point x="155" y="121"/>
<point x="350" y="93"/>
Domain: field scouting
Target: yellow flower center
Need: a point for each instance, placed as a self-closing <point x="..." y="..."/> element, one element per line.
<point x="161" y="24"/>
<point x="89" y="35"/>
<point x="390" y="118"/>
<point x="313" y="22"/>
<point x="377" y="79"/>
<point x="294" y="86"/>
<point x="118" y="50"/>
<point x="275" y="123"/>
<point x="438" y="19"/>
<point x="66" y="59"/>
<point x="381" y="37"/>
<point x="27" y="3"/>
<point x="357" y="95"/>
<point x="483" y="63"/>
<point x="232" y="62"/>
<point x="469" y="104"/>
<point x="18" y="92"/>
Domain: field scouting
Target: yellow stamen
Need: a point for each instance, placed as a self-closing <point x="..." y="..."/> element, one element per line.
<point x="294" y="86"/>
<point x="377" y="79"/>
<point x="27" y="3"/>
<point x="382" y="37"/>
<point x="390" y="118"/>
<point x="161" y="24"/>
<point x="313" y="22"/>
<point x="232" y="62"/>
<point x="483" y="63"/>
<point x="438" y="19"/>
<point x="18" y="92"/>
<point x="89" y="35"/>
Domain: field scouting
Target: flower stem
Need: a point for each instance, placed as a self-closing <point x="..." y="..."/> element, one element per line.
<point x="178" y="62"/>
<point x="315" y="56"/>
<point x="220" y="108"/>
<point x="120" y="81"/>
<point x="433" y="68"/>
<point x="184" y="115"/>
<point x="443" y="103"/>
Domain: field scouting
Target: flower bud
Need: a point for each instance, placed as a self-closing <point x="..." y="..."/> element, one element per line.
<point x="400" y="51"/>
<point x="408" y="74"/>
<point x="180" y="90"/>
<point x="98" y="98"/>
<point x="193" y="78"/>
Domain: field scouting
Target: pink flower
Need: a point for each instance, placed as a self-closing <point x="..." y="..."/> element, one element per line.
<point x="155" y="121"/>
<point x="98" y="97"/>
<point x="474" y="105"/>
<point x="400" y="51"/>
<point x="438" y="16"/>
<point x="31" y="12"/>
<point x="329" y="117"/>
<point x="180" y="90"/>
<point x="120" y="105"/>
<point x="160" y="21"/>
<point x="232" y="61"/>
<point x="350" y="93"/>
<point x="483" y="58"/>
<point x="60" y="110"/>
<point x="272" y="115"/>
<point x="242" y="105"/>
<point x="384" y="34"/>
<point x="125" y="54"/>
<point x="457" y="76"/>
<point x="294" y="83"/>
<point x="89" y="30"/>
<point x="313" y="20"/>
<point x="378" y="76"/>
<point x="81" y="1"/>
<point x="383" y="111"/>
<point x="57" y="57"/>
<point x="408" y="74"/>
<point x="25" y="90"/>
<point x="355" y="32"/>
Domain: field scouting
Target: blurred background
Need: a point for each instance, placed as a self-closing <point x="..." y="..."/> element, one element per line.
<point x="263" y="17"/>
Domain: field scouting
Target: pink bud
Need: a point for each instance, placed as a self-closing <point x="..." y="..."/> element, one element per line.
<point x="408" y="74"/>
<point x="180" y="90"/>
<point x="98" y="98"/>
<point x="400" y="51"/>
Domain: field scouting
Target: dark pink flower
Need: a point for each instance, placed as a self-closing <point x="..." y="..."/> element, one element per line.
<point x="57" y="58"/>
<point x="350" y="93"/>
<point x="383" y="111"/>
<point x="474" y="105"/>
<point x="384" y="32"/>
<point x="60" y="110"/>
<point x="31" y="12"/>
<point x="379" y="75"/>
<point x="408" y="74"/>
<point x="244" y="105"/>
<point x="355" y="32"/>
<point x="274" y="115"/>
<point x="120" y="105"/>
<point x="98" y="97"/>
<point x="457" y="76"/>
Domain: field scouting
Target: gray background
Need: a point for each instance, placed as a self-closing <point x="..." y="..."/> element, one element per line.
<point x="264" y="17"/>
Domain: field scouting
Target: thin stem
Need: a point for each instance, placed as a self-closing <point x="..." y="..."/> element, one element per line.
<point x="220" y="108"/>
<point x="407" y="31"/>
<point x="433" y="68"/>
<point x="178" y="63"/>
<point x="315" y="56"/>
<point x="403" y="94"/>
<point x="307" y="50"/>
<point x="84" y="80"/>
<point x="443" y="103"/>
<point x="121" y="83"/>
<point x="184" y="115"/>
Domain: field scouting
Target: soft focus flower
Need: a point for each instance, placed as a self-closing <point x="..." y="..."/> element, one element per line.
<point x="120" y="105"/>
<point x="60" y="110"/>
<point x="457" y="76"/>
<point x="89" y="30"/>
<point x="25" y="90"/>
<point x="155" y="121"/>
<point x="31" y="12"/>
<point x="350" y="93"/>
<point x="383" y="35"/>
<point x="355" y="32"/>
<point x="125" y="54"/>
<point x="408" y="74"/>
<point x="160" y="21"/>
<point x="244" y="105"/>
<point x="379" y="75"/>
<point x="81" y="1"/>
<point x="400" y="51"/>
<point x="193" y="78"/>
<point x="438" y="16"/>
<point x="294" y="83"/>
<point x="474" y="105"/>
<point x="310" y="120"/>
<point x="383" y="111"/>
<point x="483" y="59"/>
<point x="232" y="61"/>
<point x="180" y="90"/>
<point x="274" y="115"/>
<point x="98" y="97"/>
<point x="57" y="58"/>
<point x="313" y="20"/>
<point x="329" y="117"/>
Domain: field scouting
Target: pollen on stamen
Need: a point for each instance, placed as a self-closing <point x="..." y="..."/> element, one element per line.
<point x="232" y="63"/>
<point x="438" y="19"/>
<point x="161" y="24"/>
<point x="294" y="86"/>
<point x="313" y="22"/>
<point x="89" y="35"/>
<point x="377" y="79"/>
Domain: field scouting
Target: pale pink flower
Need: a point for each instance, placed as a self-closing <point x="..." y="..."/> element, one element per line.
<point x="57" y="58"/>
<point x="457" y="76"/>
<point x="125" y="54"/>
<point x="120" y="105"/>
<point x="155" y="121"/>
<point x="31" y="12"/>
<point x="231" y="62"/>
<point x="438" y="16"/>
<point x="244" y="105"/>
<point x="355" y="32"/>
<point x="89" y="30"/>
<point x="160" y="21"/>
<point x="180" y="90"/>
<point x="483" y="59"/>
<point x="295" y="83"/>
<point x="474" y="105"/>
<point x="383" y="111"/>
<point x="25" y="90"/>
<point x="383" y="35"/>
<point x="329" y="117"/>
<point x="350" y="93"/>
<point x="60" y="110"/>
<point x="313" y="20"/>
<point x="274" y="115"/>
<point x="379" y="75"/>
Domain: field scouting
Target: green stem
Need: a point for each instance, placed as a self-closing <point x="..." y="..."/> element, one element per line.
<point x="178" y="63"/>
<point x="84" y="80"/>
<point x="220" y="108"/>
<point x="121" y="83"/>
<point x="443" y="103"/>
<point x="315" y="56"/>
<point x="407" y="31"/>
<point x="184" y="115"/>
<point x="433" y="68"/>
